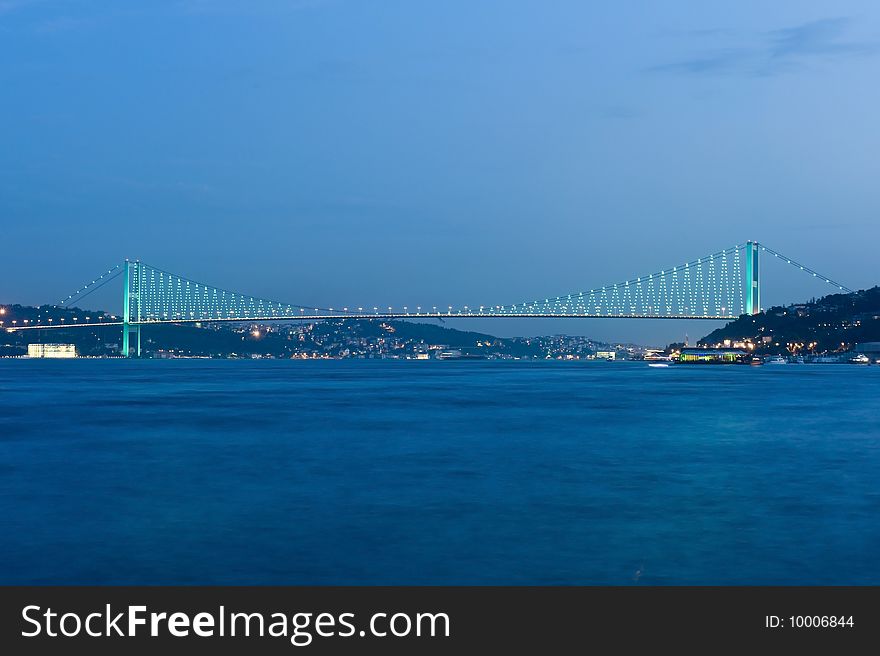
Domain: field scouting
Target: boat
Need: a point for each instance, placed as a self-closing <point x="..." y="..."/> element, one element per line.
<point x="711" y="356"/>
<point x="658" y="364"/>
<point x="458" y="354"/>
<point x="757" y="360"/>
<point x="776" y="359"/>
<point x="861" y="358"/>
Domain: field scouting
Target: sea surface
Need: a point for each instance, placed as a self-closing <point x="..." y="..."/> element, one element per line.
<point x="411" y="472"/>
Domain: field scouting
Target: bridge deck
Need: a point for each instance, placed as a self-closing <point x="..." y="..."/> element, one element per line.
<point x="386" y="315"/>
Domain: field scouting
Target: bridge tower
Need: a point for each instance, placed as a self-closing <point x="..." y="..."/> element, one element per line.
<point x="131" y="293"/>
<point x="753" y="287"/>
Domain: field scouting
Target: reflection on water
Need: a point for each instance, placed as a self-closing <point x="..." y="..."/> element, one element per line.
<point x="371" y="472"/>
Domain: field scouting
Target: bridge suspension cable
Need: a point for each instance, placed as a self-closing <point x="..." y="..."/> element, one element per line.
<point x="92" y="286"/>
<point x="805" y="269"/>
<point x="720" y="286"/>
<point x="707" y="288"/>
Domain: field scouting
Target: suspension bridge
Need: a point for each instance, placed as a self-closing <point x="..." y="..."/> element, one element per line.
<point x="720" y="286"/>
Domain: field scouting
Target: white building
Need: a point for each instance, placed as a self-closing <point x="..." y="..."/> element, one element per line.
<point x="51" y="351"/>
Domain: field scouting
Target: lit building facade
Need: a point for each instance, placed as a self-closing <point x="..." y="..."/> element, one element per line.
<point x="51" y="351"/>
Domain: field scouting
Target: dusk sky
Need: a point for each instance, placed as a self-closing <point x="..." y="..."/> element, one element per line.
<point x="393" y="152"/>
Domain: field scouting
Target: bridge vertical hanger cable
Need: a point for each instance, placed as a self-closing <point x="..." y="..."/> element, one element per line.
<point x="169" y="297"/>
<point x="708" y="287"/>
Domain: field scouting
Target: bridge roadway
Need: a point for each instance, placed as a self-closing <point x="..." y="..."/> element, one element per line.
<point x="379" y="315"/>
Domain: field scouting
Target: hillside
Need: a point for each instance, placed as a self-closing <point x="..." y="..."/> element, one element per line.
<point x="833" y="323"/>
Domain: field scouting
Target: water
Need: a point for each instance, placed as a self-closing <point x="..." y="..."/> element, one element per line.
<point x="383" y="472"/>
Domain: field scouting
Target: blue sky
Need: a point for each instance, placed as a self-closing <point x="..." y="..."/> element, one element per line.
<point x="404" y="152"/>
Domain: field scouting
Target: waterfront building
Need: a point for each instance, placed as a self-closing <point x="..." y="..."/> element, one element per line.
<point x="51" y="351"/>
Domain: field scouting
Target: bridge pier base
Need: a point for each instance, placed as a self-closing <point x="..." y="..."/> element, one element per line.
<point x="129" y="283"/>
<point x="127" y="329"/>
